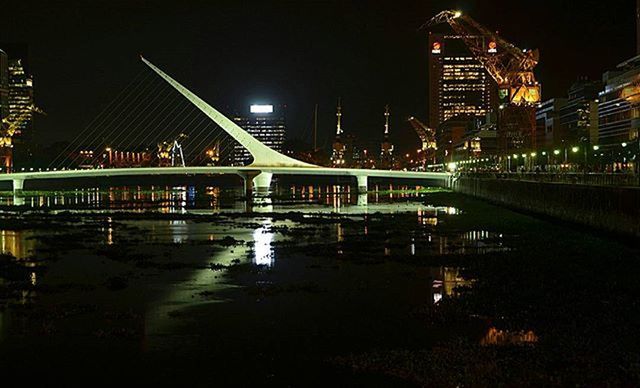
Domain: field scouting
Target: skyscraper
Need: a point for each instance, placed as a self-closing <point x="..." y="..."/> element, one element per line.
<point x="459" y="85"/>
<point x="4" y="85"/>
<point x="264" y="122"/>
<point x="21" y="99"/>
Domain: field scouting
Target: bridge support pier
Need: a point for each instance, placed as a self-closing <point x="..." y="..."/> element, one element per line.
<point x="18" y="185"/>
<point x="363" y="183"/>
<point x="262" y="182"/>
<point x="256" y="183"/>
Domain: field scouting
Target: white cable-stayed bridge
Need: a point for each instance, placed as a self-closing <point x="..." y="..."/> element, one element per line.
<point x="147" y="113"/>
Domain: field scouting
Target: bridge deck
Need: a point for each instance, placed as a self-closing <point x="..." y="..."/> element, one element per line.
<point x="150" y="171"/>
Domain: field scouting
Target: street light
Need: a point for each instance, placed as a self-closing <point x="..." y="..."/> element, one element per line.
<point x="595" y="147"/>
<point x="556" y="152"/>
<point x="574" y="149"/>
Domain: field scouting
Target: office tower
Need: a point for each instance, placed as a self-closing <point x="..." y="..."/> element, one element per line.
<point x="459" y="86"/>
<point x="264" y="122"/>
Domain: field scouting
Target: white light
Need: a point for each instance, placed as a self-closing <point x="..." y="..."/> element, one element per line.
<point x="261" y="108"/>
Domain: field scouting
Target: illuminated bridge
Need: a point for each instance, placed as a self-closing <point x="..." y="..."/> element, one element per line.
<point x="257" y="176"/>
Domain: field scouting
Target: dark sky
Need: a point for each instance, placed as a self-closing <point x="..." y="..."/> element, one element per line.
<point x="232" y="53"/>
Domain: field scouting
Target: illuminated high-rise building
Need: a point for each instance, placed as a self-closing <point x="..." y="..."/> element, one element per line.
<point x="21" y="99"/>
<point x="4" y="85"/>
<point x="619" y="104"/>
<point x="459" y="86"/>
<point x="264" y="122"/>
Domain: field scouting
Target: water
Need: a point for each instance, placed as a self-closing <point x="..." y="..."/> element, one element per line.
<point x="185" y="284"/>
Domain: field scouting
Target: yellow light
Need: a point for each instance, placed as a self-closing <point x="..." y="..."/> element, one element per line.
<point x="574" y="149"/>
<point x="452" y="166"/>
<point x="457" y="14"/>
<point x="533" y="154"/>
<point x="556" y="152"/>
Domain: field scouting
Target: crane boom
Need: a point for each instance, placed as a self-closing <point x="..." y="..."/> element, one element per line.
<point x="511" y="67"/>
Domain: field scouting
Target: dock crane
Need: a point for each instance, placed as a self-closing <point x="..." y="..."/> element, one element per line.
<point x="427" y="138"/>
<point x="169" y="152"/>
<point x="511" y="68"/>
<point x="10" y="125"/>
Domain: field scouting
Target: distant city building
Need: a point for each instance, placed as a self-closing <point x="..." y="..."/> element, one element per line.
<point x="619" y="104"/>
<point x="579" y="117"/>
<point x="459" y="85"/>
<point x="569" y="121"/>
<point x="338" y="153"/>
<point x="4" y="85"/>
<point x="264" y="122"/>
<point x="548" y="128"/>
<point x="21" y="98"/>
<point x="386" y="148"/>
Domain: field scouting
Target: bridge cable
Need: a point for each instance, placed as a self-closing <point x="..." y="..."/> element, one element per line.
<point x="90" y="125"/>
<point x="96" y="138"/>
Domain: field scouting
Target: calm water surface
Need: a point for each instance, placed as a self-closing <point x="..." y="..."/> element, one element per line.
<point x="184" y="284"/>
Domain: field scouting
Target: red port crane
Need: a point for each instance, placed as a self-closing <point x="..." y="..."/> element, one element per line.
<point x="511" y="68"/>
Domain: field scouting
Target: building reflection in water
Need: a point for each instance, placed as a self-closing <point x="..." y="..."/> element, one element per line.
<point x="495" y="336"/>
<point x="18" y="243"/>
<point x="262" y="244"/>
<point x="445" y="283"/>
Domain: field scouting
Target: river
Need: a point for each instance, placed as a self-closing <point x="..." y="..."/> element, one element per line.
<point x="315" y="284"/>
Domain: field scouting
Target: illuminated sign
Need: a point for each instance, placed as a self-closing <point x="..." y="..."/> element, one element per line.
<point x="493" y="47"/>
<point x="436" y="48"/>
<point x="261" y="108"/>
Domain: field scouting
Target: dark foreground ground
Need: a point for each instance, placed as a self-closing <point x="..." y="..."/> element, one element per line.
<point x="467" y="295"/>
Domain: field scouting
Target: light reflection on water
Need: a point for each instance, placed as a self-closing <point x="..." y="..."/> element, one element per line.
<point x="258" y="236"/>
<point x="176" y="199"/>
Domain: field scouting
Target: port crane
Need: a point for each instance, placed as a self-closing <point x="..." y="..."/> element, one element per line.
<point x="427" y="138"/>
<point x="9" y="127"/>
<point x="169" y="152"/>
<point x="511" y="68"/>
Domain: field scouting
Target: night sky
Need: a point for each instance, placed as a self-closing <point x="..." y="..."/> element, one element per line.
<point x="82" y="53"/>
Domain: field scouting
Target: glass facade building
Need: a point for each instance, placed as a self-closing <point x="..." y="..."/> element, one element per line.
<point x="619" y="104"/>
<point x="21" y="98"/>
<point x="459" y="85"/>
<point x="4" y="85"/>
<point x="264" y="122"/>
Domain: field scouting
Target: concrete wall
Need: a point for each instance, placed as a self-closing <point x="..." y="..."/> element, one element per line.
<point x="615" y="209"/>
